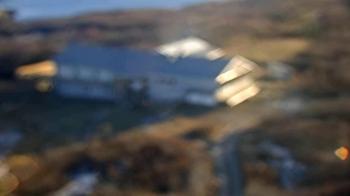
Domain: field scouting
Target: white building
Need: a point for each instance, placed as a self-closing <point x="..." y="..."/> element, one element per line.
<point x="97" y="72"/>
<point x="191" y="46"/>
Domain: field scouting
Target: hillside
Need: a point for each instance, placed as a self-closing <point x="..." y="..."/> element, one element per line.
<point x="262" y="30"/>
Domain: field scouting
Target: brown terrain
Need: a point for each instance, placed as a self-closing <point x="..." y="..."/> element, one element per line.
<point x="312" y="36"/>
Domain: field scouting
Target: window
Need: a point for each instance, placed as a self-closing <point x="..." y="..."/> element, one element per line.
<point x="66" y="72"/>
<point x="105" y="76"/>
<point x="167" y="81"/>
<point x="85" y="73"/>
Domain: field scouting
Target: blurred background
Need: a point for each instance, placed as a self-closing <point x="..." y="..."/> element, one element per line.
<point x="185" y="97"/>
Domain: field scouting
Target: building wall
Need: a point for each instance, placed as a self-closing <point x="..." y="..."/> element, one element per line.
<point x="83" y="73"/>
<point x="84" y="82"/>
<point x="167" y="88"/>
<point x="78" y="89"/>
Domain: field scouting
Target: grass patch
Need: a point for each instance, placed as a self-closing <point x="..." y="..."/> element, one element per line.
<point x="268" y="49"/>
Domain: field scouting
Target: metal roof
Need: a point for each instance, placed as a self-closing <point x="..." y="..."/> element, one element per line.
<point x="127" y="61"/>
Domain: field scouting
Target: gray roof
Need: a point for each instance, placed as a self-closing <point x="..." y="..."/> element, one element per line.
<point x="129" y="61"/>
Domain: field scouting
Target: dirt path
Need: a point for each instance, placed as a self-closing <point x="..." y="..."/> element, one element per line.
<point x="217" y="124"/>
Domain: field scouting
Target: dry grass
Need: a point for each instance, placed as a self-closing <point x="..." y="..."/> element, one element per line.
<point x="269" y="49"/>
<point x="260" y="188"/>
<point x="185" y="168"/>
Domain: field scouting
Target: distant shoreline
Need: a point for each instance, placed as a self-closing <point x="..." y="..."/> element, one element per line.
<point x="36" y="10"/>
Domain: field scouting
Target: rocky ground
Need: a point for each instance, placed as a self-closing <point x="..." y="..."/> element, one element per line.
<point x="130" y="164"/>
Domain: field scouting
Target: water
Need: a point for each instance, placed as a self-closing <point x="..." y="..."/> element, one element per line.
<point x="42" y="9"/>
